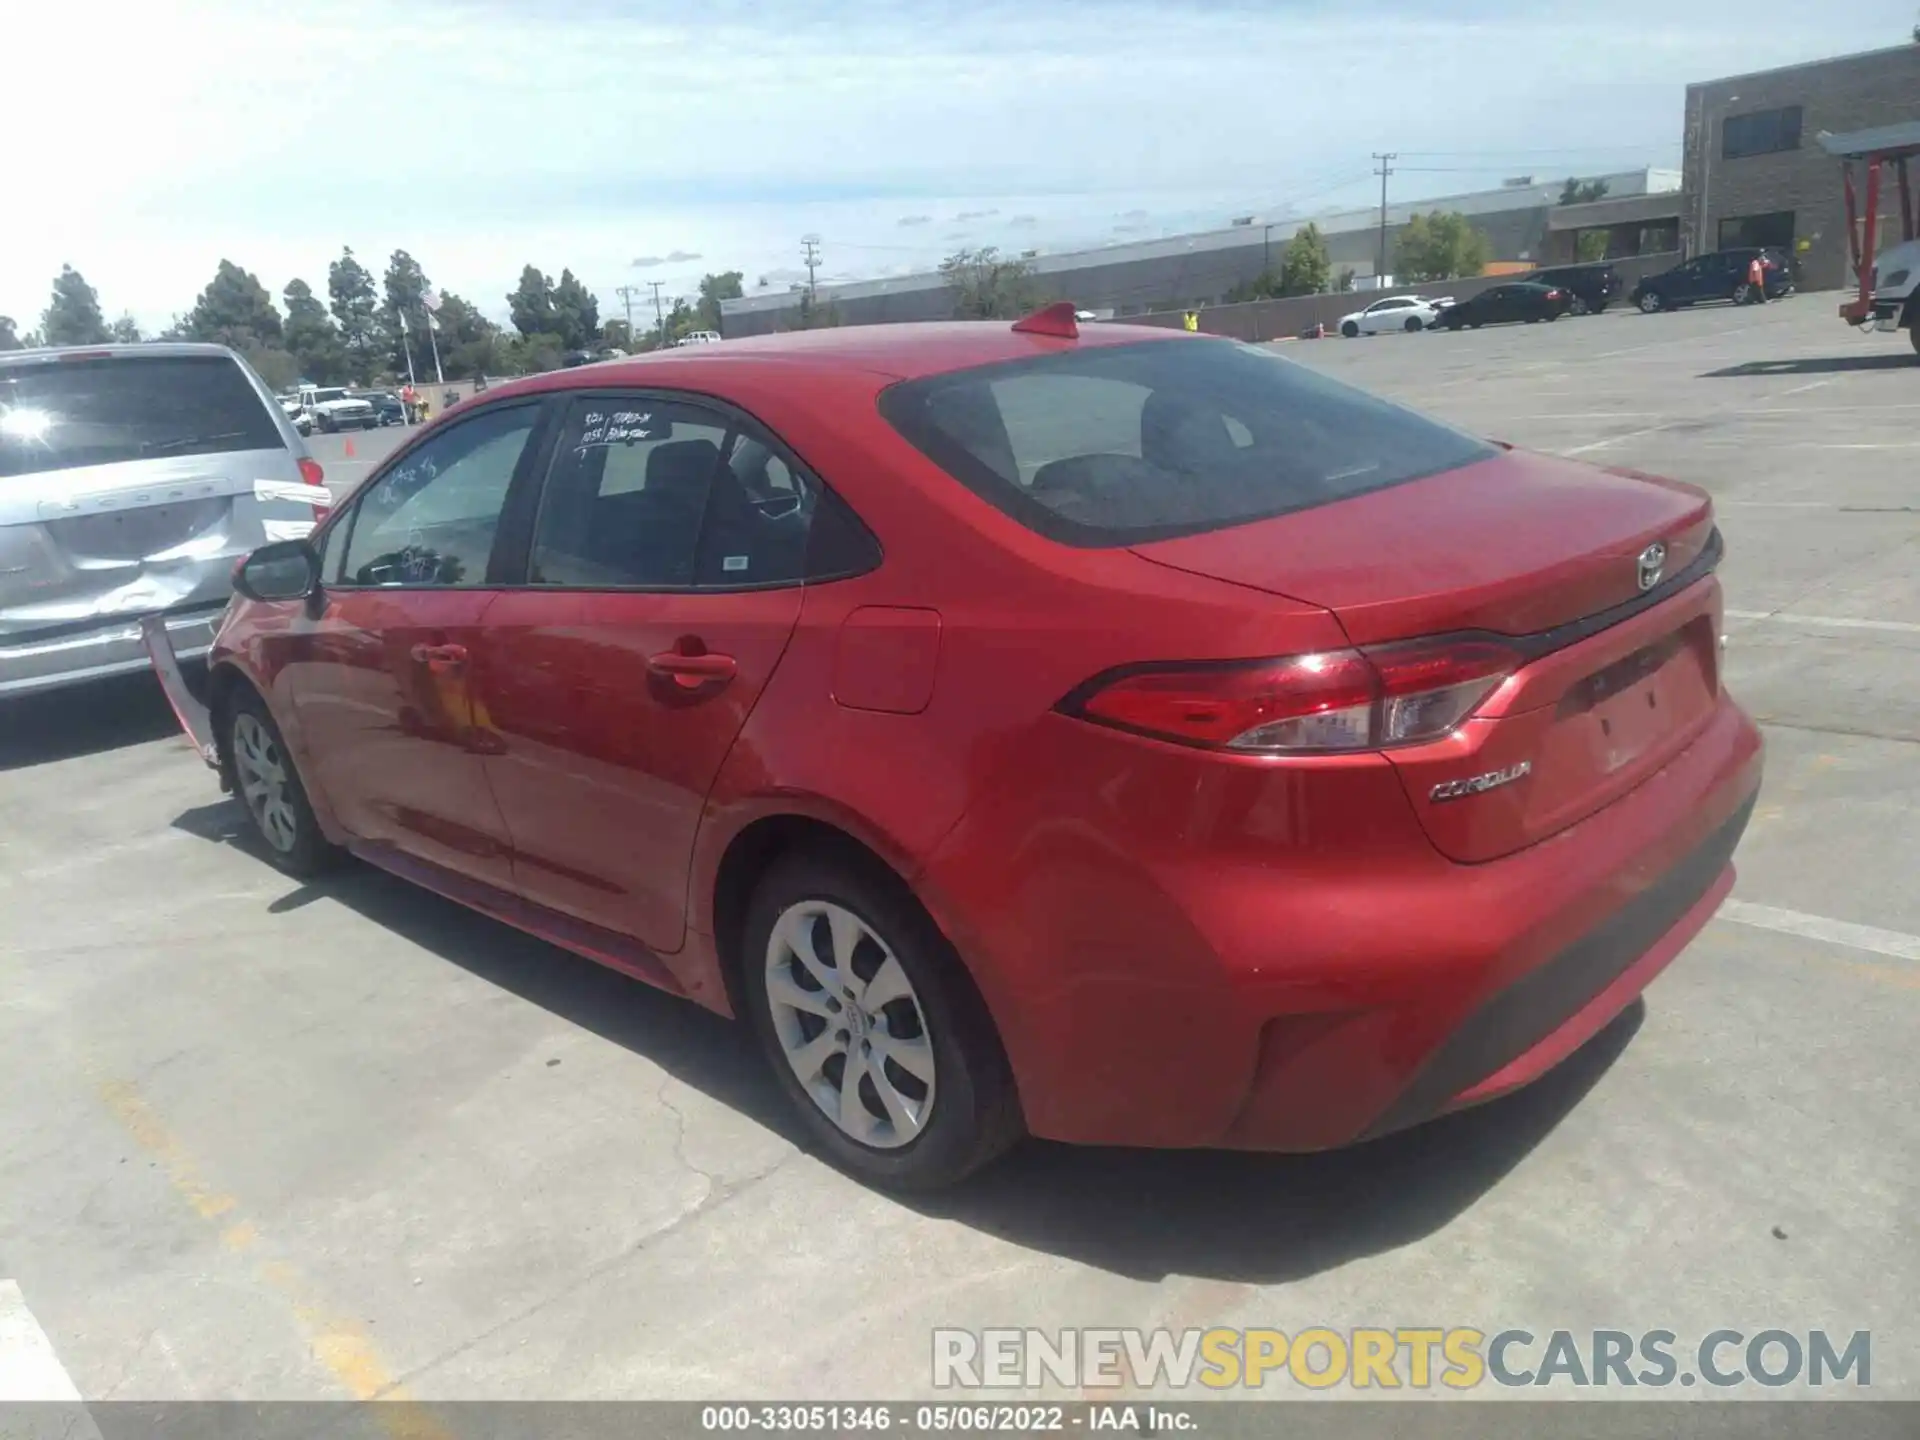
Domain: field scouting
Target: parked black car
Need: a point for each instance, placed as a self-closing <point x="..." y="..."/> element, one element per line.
<point x="1519" y="300"/>
<point x="1593" y="287"/>
<point x="387" y="409"/>
<point x="1717" y="275"/>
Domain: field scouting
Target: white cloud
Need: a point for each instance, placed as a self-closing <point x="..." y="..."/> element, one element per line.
<point x="484" y="136"/>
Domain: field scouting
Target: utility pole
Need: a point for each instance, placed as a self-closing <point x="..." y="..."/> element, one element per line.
<point x="626" y="294"/>
<point x="659" y="317"/>
<point x="1386" y="169"/>
<point x="811" y="252"/>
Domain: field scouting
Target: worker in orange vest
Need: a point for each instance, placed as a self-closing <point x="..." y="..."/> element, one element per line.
<point x="1757" y="280"/>
<point x="407" y="399"/>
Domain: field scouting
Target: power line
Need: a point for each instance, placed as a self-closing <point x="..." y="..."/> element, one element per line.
<point x="626" y="294"/>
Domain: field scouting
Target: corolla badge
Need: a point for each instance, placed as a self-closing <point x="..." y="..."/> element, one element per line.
<point x="1479" y="784"/>
<point x="1653" y="562"/>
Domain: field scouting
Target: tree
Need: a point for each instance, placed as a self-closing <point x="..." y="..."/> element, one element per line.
<point x="1591" y="246"/>
<point x="1577" y="192"/>
<point x="311" y="337"/>
<point x="531" y="304"/>
<point x="235" y="310"/>
<point x="714" y="289"/>
<point x="73" y="317"/>
<point x="576" y="313"/>
<point x="1343" y="282"/>
<point x="125" y="330"/>
<point x="469" y="342"/>
<point x="1440" y="247"/>
<point x="404" y="316"/>
<point x="615" y="336"/>
<point x="351" y="296"/>
<point x="9" y="337"/>
<point x="987" y="287"/>
<point x="1307" y="269"/>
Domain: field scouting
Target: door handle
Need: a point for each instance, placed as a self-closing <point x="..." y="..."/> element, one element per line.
<point x="693" y="670"/>
<point x="440" y="658"/>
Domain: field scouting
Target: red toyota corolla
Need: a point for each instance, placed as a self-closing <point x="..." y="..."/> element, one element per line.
<point x="1110" y="735"/>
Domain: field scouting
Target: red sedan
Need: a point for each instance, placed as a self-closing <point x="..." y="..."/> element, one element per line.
<point x="1115" y="736"/>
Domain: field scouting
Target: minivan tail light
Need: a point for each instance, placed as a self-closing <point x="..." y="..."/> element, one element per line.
<point x="1326" y="703"/>
<point x="311" y="472"/>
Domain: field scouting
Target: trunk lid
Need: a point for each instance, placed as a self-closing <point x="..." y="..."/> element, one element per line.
<point x="1613" y="676"/>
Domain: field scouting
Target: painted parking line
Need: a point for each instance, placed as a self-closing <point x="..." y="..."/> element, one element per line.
<point x="29" y="1369"/>
<point x="1826" y="622"/>
<point x="1894" y="943"/>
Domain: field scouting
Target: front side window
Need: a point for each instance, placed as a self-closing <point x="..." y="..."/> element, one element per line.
<point x="431" y="519"/>
<point x="63" y="414"/>
<point x="1119" y="444"/>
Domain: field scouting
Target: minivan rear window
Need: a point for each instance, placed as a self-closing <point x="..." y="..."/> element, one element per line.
<point x="60" y="414"/>
<point x="1121" y="444"/>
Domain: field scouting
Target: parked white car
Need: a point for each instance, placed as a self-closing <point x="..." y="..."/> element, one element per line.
<point x="1396" y="312"/>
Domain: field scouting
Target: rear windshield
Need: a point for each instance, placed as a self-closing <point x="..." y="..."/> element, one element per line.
<point x="1119" y="444"/>
<point x="60" y="414"/>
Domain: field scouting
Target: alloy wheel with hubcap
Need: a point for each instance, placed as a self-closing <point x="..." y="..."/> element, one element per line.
<point x="1649" y="303"/>
<point x="261" y="770"/>
<point x="850" y="1024"/>
<point x="872" y="1024"/>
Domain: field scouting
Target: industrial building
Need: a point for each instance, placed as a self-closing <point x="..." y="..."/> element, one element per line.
<point x="1203" y="268"/>
<point x="1754" y="173"/>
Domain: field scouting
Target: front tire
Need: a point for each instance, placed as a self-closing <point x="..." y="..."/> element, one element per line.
<point x="1350" y="330"/>
<point x="1579" y="307"/>
<point x="269" y="787"/>
<point x="1412" y="327"/>
<point x="871" y="1027"/>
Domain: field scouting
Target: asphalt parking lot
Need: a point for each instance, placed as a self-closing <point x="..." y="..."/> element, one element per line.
<point x="268" y="1141"/>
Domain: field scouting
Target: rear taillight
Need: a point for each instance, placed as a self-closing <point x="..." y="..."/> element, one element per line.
<point x="311" y="472"/>
<point x="1339" y="700"/>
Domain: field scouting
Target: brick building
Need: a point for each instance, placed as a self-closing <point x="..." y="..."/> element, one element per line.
<point x="1755" y="174"/>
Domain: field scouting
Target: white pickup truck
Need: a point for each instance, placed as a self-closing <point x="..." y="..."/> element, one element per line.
<point x="1896" y="291"/>
<point x="330" y="408"/>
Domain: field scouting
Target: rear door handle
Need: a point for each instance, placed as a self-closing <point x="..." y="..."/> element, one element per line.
<point x="440" y="658"/>
<point x="693" y="670"/>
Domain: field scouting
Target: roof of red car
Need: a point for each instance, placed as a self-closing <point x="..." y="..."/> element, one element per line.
<point x="887" y="352"/>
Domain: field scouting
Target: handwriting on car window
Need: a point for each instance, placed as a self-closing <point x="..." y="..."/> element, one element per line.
<point x="620" y="428"/>
<point x="405" y="483"/>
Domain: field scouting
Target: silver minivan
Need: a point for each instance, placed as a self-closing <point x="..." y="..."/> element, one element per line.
<point x="133" y="478"/>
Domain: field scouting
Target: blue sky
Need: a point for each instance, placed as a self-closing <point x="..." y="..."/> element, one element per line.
<point x="482" y="135"/>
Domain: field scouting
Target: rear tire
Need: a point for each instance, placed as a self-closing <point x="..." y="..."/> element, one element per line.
<point x="1579" y="307"/>
<point x="1350" y="330"/>
<point x="268" y="785"/>
<point x="1413" y="324"/>
<point x="933" y="1099"/>
<point x="1913" y="334"/>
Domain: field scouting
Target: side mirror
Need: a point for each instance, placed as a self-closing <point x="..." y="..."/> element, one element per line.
<point x="285" y="570"/>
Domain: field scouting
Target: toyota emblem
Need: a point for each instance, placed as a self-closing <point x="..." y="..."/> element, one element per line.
<point x="1653" y="561"/>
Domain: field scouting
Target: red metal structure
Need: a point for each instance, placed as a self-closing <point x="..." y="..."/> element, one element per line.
<point x="1885" y="148"/>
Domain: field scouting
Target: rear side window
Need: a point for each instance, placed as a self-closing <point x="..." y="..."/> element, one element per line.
<point x="1116" y="445"/>
<point x="60" y="414"/>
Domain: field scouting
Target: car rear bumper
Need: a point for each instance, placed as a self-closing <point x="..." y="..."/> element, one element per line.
<point x="113" y="648"/>
<point x="1197" y="992"/>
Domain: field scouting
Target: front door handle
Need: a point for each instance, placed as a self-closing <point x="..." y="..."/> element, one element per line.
<point x="693" y="671"/>
<point x="440" y="659"/>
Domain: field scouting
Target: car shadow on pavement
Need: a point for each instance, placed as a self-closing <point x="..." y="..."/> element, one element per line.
<point x="1248" y="1218"/>
<point x="85" y="719"/>
<point x="1817" y="365"/>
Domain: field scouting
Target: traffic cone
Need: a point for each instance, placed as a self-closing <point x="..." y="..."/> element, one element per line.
<point x="349" y="447"/>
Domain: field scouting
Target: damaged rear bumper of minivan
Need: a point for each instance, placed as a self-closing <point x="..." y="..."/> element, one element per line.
<point x="96" y="649"/>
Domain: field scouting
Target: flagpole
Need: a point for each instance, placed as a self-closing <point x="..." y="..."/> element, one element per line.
<point x="438" y="378"/>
